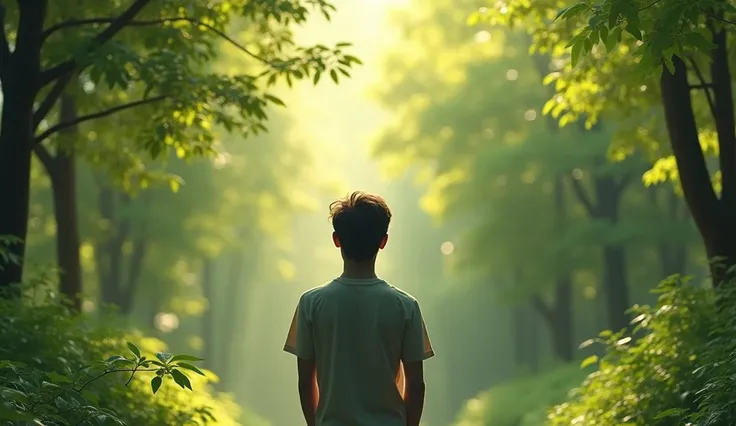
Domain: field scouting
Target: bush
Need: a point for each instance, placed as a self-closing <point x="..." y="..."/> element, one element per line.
<point x="678" y="368"/>
<point x="521" y="402"/>
<point x="52" y="373"/>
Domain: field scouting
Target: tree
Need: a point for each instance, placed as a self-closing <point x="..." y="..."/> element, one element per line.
<point x="92" y="48"/>
<point x="629" y="58"/>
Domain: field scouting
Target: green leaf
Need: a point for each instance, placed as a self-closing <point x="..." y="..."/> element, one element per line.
<point x="190" y="367"/>
<point x="589" y="361"/>
<point x="156" y="384"/>
<point x="185" y="358"/>
<point x="163" y="356"/>
<point x="14" y="395"/>
<point x="316" y="77"/>
<point x="352" y="59"/>
<point x="575" y="53"/>
<point x="58" y="378"/>
<point x="612" y="39"/>
<point x="9" y="414"/>
<point x="669" y="64"/>
<point x="133" y="348"/>
<point x="672" y="412"/>
<point x="181" y="379"/>
<point x="333" y="76"/>
<point x="572" y="11"/>
<point x="175" y="184"/>
<point x="632" y="27"/>
<point x="697" y="40"/>
<point x="273" y="100"/>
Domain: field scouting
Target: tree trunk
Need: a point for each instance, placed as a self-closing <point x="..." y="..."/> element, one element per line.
<point x="608" y="193"/>
<point x="67" y="230"/>
<point x="234" y="321"/>
<point x="61" y="169"/>
<point x="561" y="315"/>
<point x="673" y="255"/>
<point x="208" y="323"/>
<point x="615" y="286"/>
<point x="532" y="340"/>
<point x="110" y="249"/>
<point x="519" y="334"/>
<point x="526" y="338"/>
<point x="20" y="85"/>
<point x="713" y="216"/>
<point x="135" y="270"/>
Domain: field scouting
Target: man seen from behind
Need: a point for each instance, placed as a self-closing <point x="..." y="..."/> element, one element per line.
<point x="360" y="343"/>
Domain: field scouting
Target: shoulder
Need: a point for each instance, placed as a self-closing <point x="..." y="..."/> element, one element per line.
<point x="405" y="298"/>
<point x="312" y="294"/>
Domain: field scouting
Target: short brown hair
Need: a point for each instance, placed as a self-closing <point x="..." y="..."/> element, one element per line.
<point x="360" y="221"/>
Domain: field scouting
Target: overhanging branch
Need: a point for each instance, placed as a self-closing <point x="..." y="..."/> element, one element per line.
<point x="48" y="102"/>
<point x="91" y="21"/>
<point x="81" y="119"/>
<point x="46" y="158"/>
<point x="4" y="46"/>
<point x="582" y="195"/>
<point x="703" y="84"/>
<point x="116" y="24"/>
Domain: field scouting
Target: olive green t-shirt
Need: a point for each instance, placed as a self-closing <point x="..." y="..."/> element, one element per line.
<point x="358" y="332"/>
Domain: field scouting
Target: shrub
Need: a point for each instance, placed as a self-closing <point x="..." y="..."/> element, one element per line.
<point x="52" y="373"/>
<point x="521" y="402"/>
<point x="677" y="369"/>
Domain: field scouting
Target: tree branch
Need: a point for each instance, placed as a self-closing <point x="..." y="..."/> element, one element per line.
<point x="542" y="308"/>
<point x="91" y="21"/>
<point x="116" y="24"/>
<point x="4" y="46"/>
<point x="704" y="84"/>
<point x="81" y="119"/>
<point x="50" y="100"/>
<point x="46" y="158"/>
<point x="582" y="195"/>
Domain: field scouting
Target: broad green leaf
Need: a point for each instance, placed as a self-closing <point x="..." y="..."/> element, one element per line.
<point x="156" y="384"/>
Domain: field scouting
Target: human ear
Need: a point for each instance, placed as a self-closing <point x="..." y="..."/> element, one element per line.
<point x="335" y="240"/>
<point x="384" y="240"/>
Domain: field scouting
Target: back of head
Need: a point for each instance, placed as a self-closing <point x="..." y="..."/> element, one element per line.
<point x="361" y="222"/>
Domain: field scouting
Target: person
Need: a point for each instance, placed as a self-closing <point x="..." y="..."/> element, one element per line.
<point x="360" y="342"/>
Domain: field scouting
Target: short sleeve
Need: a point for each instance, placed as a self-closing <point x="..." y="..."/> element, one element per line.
<point x="299" y="341"/>
<point x="416" y="345"/>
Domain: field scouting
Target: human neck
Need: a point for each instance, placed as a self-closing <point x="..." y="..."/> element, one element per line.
<point x="359" y="270"/>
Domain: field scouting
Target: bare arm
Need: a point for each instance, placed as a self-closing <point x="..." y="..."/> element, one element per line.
<point x="308" y="392"/>
<point x="415" y="389"/>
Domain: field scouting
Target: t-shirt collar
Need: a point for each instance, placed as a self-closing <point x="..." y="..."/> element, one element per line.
<point x="359" y="281"/>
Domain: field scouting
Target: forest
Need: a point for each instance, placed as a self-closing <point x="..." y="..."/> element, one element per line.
<point x="562" y="176"/>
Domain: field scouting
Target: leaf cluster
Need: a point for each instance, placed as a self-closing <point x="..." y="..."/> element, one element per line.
<point x="669" y="369"/>
<point x="61" y="369"/>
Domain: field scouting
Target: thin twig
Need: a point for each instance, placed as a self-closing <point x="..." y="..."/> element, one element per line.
<point x="701" y="78"/>
<point x="582" y="196"/>
<point x="718" y="18"/>
<point x="649" y="5"/>
<point x="81" y="119"/>
<point x="90" y="21"/>
<point x="116" y="24"/>
<point x="48" y="102"/>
